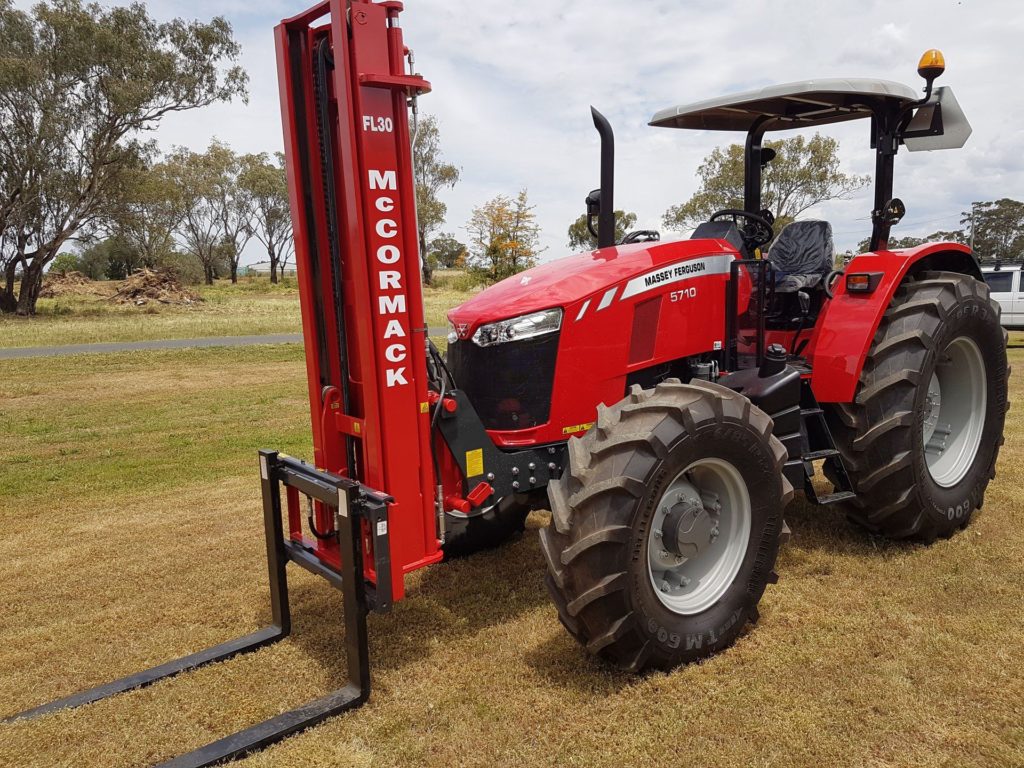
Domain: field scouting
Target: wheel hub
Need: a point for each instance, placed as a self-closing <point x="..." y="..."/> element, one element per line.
<point x="954" y="412"/>
<point x="699" y="536"/>
<point x="689" y="527"/>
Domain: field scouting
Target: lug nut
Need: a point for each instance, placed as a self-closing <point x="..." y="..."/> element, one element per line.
<point x="552" y="466"/>
<point x="515" y="470"/>
<point x="531" y="465"/>
<point x="533" y="481"/>
<point x="515" y="485"/>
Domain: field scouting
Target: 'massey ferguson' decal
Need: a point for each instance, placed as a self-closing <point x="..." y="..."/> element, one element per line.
<point x="674" y="273"/>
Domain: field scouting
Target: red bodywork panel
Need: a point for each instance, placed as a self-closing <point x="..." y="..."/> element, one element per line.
<point x="379" y="279"/>
<point x="625" y="309"/>
<point x="848" y="322"/>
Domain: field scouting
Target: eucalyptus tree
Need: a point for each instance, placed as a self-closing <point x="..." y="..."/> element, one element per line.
<point x="80" y="87"/>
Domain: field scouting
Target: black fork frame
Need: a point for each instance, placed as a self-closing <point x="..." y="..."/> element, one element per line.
<point x="353" y="502"/>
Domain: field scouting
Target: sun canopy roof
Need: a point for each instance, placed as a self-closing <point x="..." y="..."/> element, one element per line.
<point x="793" y="105"/>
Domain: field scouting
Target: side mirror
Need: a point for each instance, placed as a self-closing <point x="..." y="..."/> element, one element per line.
<point x="892" y="212"/>
<point x="593" y="210"/>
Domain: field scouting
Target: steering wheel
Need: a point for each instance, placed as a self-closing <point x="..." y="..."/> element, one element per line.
<point x="756" y="232"/>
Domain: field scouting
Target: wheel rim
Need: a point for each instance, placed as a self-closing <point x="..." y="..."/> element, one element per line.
<point x="699" y="535"/>
<point x="954" y="412"/>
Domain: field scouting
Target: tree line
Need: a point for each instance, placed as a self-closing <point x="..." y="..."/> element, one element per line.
<point x="503" y="232"/>
<point x="994" y="230"/>
<point x="194" y="213"/>
<point x="81" y="88"/>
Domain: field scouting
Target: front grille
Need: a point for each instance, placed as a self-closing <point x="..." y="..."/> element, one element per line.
<point x="508" y="384"/>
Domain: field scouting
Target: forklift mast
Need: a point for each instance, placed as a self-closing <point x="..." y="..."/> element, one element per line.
<point x="345" y="93"/>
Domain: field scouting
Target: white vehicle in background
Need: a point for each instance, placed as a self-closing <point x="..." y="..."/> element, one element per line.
<point x="1005" y="284"/>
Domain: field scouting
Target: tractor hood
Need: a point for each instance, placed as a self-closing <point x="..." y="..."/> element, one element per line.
<point x="574" y="279"/>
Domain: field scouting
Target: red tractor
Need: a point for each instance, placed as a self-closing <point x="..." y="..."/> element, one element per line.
<point x="662" y="399"/>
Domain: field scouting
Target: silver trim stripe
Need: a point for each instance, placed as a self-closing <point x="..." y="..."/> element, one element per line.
<point x="606" y="300"/>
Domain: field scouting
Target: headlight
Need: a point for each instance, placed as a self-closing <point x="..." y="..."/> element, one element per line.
<point x="452" y="335"/>
<point x="523" y="327"/>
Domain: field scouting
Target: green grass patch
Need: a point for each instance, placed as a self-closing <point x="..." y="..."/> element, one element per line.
<point x="250" y="307"/>
<point x="138" y="422"/>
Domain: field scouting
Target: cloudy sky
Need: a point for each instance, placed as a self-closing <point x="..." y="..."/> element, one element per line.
<point x="513" y="83"/>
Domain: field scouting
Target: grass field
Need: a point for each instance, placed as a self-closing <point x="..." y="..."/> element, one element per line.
<point x="253" y="306"/>
<point x="129" y="501"/>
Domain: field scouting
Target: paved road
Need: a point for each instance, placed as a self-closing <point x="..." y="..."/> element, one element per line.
<point x="11" y="353"/>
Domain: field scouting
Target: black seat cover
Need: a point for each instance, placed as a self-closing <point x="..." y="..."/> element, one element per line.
<point x="802" y="255"/>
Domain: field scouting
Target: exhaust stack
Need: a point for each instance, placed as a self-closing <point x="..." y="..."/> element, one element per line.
<point x="606" y="206"/>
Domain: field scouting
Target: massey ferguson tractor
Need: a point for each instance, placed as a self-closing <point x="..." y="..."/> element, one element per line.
<point x="662" y="399"/>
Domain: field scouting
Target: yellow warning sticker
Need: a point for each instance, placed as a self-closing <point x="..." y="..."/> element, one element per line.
<point x="424" y="408"/>
<point x="475" y="462"/>
<point x="577" y="428"/>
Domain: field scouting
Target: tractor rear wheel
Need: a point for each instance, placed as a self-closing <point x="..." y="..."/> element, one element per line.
<point x="666" y="525"/>
<point x="921" y="438"/>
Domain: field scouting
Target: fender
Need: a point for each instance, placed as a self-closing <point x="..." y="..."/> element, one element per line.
<point x="848" y="324"/>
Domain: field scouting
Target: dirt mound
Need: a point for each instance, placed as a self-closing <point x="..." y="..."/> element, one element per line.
<point x="57" y="284"/>
<point x="154" y="285"/>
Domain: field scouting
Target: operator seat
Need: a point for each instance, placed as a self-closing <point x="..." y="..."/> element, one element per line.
<point x="802" y="255"/>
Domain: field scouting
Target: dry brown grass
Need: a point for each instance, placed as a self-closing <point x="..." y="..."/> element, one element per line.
<point x="131" y="535"/>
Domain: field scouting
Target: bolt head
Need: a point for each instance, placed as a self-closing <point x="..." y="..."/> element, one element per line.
<point x="684" y="581"/>
<point x="515" y="485"/>
<point x="531" y="465"/>
<point x="533" y="481"/>
<point x="665" y="586"/>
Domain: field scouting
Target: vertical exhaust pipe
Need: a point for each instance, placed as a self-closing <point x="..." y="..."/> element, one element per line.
<point x="606" y="214"/>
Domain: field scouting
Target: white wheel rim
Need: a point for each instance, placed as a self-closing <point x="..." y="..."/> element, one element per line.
<point x="708" y="507"/>
<point x="954" y="412"/>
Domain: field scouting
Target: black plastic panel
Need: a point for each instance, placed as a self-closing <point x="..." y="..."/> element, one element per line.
<point x="508" y="384"/>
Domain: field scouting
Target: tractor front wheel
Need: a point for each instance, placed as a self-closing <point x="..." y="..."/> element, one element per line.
<point x="666" y="525"/>
<point x="921" y="438"/>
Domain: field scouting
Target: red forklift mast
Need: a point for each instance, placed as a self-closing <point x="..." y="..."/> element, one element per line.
<point x="344" y="97"/>
<point x="344" y="105"/>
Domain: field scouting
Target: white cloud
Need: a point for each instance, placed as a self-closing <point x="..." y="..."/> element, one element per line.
<point x="513" y="83"/>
